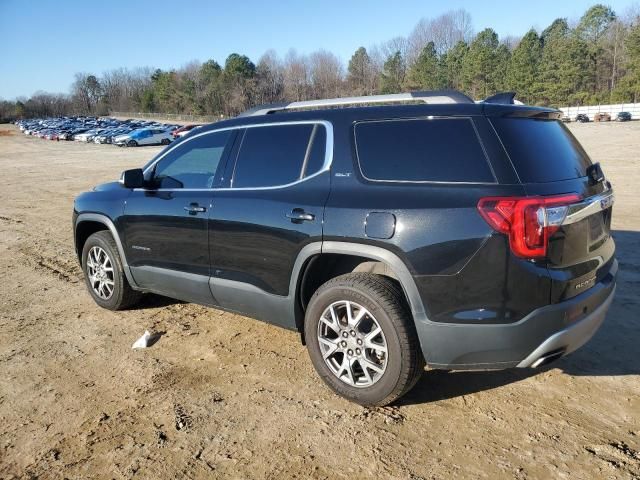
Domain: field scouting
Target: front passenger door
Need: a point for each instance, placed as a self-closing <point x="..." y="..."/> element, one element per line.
<point x="165" y="224"/>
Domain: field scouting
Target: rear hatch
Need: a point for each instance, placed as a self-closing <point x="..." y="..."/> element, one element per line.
<point x="550" y="161"/>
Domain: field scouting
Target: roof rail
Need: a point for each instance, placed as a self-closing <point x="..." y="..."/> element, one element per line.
<point x="434" y="97"/>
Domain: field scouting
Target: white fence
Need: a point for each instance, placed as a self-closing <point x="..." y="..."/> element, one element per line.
<point x="591" y="110"/>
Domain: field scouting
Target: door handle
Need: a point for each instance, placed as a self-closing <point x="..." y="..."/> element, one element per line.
<point x="298" y="215"/>
<point x="194" y="208"/>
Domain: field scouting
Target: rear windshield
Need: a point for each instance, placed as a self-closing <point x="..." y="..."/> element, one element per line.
<point x="421" y="150"/>
<point x="542" y="150"/>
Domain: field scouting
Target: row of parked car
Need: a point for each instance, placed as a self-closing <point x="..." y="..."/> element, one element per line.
<point x="599" y="117"/>
<point x="129" y="133"/>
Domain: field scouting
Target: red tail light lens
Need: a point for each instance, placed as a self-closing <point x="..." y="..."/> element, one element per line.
<point x="528" y="221"/>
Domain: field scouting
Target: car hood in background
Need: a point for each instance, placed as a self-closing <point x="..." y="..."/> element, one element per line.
<point x="103" y="187"/>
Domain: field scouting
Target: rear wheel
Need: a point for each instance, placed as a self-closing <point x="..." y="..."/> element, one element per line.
<point x="165" y="141"/>
<point x="362" y="340"/>
<point x="104" y="274"/>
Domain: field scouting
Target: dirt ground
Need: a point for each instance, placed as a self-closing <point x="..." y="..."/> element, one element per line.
<point x="220" y="395"/>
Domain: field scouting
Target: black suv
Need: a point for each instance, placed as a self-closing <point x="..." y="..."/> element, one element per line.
<point x="623" y="117"/>
<point x="432" y="230"/>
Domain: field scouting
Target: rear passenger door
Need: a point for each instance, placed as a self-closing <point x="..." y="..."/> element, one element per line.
<point x="271" y="207"/>
<point x="154" y="138"/>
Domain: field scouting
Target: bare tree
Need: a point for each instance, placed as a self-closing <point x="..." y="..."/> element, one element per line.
<point x="297" y="80"/>
<point x="397" y="44"/>
<point x="269" y="78"/>
<point x="122" y="88"/>
<point x="510" y="41"/>
<point x="613" y="46"/>
<point x="326" y="74"/>
<point x="444" y="31"/>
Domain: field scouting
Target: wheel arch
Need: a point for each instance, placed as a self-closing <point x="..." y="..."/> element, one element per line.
<point x="89" y="223"/>
<point x="358" y="257"/>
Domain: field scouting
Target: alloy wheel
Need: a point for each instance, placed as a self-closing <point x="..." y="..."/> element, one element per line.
<point x="100" y="273"/>
<point x="352" y="344"/>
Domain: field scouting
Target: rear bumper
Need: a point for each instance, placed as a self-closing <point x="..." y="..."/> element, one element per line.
<point x="570" y="339"/>
<point x="546" y="333"/>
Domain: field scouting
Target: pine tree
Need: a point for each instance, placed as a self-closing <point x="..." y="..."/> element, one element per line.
<point x="359" y="77"/>
<point x="591" y="29"/>
<point x="451" y="65"/>
<point x="563" y="67"/>
<point x="480" y="65"/>
<point x="628" y="89"/>
<point x="502" y="61"/>
<point x="424" y="74"/>
<point x="522" y="75"/>
<point x="393" y="73"/>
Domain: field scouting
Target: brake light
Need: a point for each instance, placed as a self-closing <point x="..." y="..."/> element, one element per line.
<point x="529" y="222"/>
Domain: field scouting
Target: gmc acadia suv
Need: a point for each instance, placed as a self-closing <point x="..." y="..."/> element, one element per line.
<point x="405" y="229"/>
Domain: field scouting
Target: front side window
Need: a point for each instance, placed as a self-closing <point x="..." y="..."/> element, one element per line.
<point x="192" y="164"/>
<point x="279" y="154"/>
<point x="422" y="150"/>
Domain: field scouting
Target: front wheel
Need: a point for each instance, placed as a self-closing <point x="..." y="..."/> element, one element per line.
<point x="362" y="340"/>
<point x="132" y="143"/>
<point x="165" y="141"/>
<point x="104" y="274"/>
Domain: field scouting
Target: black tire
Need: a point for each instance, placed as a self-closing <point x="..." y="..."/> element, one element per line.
<point x="122" y="296"/>
<point x="384" y="299"/>
<point x="132" y="143"/>
<point x="165" y="141"/>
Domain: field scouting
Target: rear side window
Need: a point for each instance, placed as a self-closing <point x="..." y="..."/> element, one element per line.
<point x="541" y="150"/>
<point x="421" y="150"/>
<point x="279" y="155"/>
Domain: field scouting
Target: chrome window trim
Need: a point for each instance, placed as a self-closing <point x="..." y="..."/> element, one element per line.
<point x="326" y="166"/>
<point x="427" y="182"/>
<point x="589" y="206"/>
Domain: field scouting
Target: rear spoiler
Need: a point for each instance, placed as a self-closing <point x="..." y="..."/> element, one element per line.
<point x="504" y="104"/>
<point x="502" y="98"/>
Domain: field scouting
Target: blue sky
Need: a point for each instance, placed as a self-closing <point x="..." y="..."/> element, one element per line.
<point x="45" y="43"/>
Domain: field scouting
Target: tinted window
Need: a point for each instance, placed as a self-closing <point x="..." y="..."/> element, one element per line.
<point x="272" y="156"/>
<point x="436" y="150"/>
<point x="541" y="150"/>
<point x="315" y="161"/>
<point x="192" y="164"/>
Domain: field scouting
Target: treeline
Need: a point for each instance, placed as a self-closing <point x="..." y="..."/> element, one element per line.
<point x="593" y="60"/>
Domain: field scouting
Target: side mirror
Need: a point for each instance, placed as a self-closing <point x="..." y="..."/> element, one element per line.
<point x="132" y="178"/>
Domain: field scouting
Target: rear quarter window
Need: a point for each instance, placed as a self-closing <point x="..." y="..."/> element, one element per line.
<point x="541" y="151"/>
<point x="421" y="150"/>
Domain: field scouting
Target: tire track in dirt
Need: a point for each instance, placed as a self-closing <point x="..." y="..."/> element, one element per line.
<point x="618" y="455"/>
<point x="63" y="269"/>
<point x="10" y="220"/>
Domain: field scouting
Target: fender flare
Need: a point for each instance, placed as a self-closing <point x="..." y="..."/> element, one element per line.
<point x="100" y="218"/>
<point x="369" y="251"/>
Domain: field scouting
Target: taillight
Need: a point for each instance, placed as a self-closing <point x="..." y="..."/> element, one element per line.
<point x="528" y="221"/>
